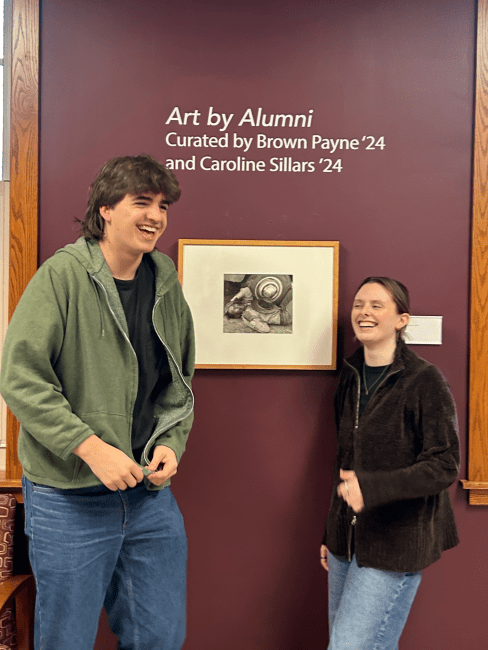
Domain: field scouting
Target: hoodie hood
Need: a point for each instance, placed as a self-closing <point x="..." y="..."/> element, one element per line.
<point x="89" y="255"/>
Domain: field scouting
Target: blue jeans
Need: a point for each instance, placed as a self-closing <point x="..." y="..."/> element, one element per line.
<point x="368" y="608"/>
<point x="92" y="547"/>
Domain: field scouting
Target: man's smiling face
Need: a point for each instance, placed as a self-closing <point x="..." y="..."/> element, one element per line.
<point x="134" y="224"/>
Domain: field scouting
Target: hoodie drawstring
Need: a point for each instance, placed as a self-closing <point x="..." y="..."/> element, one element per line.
<point x="95" y="288"/>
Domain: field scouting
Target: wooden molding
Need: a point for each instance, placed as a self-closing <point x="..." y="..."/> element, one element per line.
<point x="478" y="376"/>
<point x="478" y="492"/>
<point x="24" y="174"/>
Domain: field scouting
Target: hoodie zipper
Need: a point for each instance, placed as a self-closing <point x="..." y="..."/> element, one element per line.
<point x="113" y="314"/>
<point x="168" y="351"/>
<point x="156" y="433"/>
<point x="125" y="336"/>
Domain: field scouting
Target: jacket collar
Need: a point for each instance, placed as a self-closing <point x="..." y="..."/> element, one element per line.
<point x="89" y="254"/>
<point x="402" y="354"/>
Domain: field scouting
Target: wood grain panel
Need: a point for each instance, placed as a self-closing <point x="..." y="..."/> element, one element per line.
<point x="478" y="378"/>
<point x="478" y="492"/>
<point x="24" y="173"/>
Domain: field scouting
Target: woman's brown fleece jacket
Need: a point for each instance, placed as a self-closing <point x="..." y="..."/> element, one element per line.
<point x="405" y="451"/>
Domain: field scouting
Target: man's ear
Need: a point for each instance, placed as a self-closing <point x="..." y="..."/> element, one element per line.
<point x="105" y="211"/>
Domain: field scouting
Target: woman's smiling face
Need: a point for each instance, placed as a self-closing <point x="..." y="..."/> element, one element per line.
<point x="375" y="318"/>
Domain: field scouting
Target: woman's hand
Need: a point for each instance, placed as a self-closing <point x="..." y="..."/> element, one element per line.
<point x="324" y="557"/>
<point x="350" y="491"/>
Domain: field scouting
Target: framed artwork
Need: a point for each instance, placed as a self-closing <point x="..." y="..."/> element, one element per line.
<point x="262" y="304"/>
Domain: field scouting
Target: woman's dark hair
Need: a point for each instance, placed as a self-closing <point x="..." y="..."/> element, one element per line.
<point x="121" y="176"/>
<point x="398" y="292"/>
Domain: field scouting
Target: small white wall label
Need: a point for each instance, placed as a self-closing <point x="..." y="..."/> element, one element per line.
<point x="424" y="330"/>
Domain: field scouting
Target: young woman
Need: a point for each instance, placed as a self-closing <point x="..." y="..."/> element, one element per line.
<point x="398" y="452"/>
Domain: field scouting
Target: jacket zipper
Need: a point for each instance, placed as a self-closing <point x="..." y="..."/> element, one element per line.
<point x="349" y="538"/>
<point x="390" y="374"/>
<point x="356" y="425"/>
<point x="356" y="419"/>
<point x="159" y="431"/>
<point x="356" y="416"/>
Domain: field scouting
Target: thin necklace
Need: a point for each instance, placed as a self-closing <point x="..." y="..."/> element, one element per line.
<point x="375" y="381"/>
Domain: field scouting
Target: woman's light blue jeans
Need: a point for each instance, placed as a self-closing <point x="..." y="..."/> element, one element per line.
<point x="92" y="547"/>
<point x="368" y="608"/>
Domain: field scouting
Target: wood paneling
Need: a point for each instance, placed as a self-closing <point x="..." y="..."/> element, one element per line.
<point x="478" y="387"/>
<point x="24" y="173"/>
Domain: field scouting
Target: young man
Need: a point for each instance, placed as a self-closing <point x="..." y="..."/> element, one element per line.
<point x="97" y="365"/>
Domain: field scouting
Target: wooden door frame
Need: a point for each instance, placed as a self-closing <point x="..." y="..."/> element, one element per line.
<point x="24" y="176"/>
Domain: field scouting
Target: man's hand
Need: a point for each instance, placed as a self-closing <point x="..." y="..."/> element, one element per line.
<point x="114" y="468"/>
<point x="244" y="295"/>
<point x="164" y="465"/>
<point x="350" y="491"/>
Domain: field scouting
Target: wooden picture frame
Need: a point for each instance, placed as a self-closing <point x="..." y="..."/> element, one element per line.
<point x="262" y="304"/>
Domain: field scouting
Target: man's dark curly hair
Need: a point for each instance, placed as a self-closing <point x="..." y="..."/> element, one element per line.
<point x="121" y="176"/>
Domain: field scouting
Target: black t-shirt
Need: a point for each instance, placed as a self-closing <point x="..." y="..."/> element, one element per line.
<point x="372" y="378"/>
<point x="137" y="297"/>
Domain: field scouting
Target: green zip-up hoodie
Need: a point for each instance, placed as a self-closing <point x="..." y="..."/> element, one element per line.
<point x="69" y="371"/>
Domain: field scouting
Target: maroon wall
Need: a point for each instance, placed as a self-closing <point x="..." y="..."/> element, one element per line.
<point x="255" y="482"/>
